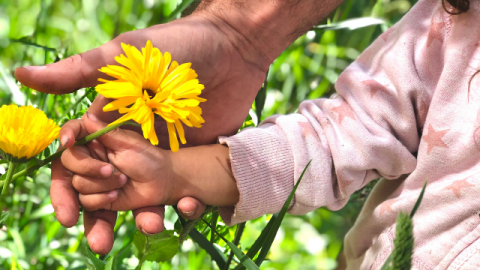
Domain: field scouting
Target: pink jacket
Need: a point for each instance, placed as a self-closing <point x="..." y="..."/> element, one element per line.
<point x="403" y="108"/>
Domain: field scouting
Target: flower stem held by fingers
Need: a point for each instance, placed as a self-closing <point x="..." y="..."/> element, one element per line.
<point x="83" y="141"/>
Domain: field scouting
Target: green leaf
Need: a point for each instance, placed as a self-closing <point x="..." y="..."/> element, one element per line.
<point x="260" y="99"/>
<point x="244" y="259"/>
<point x="203" y="242"/>
<point x="351" y="24"/>
<point x="25" y="41"/>
<point x="12" y="87"/>
<point x="109" y="265"/>
<point x="3" y="217"/>
<point x="276" y="225"/>
<point x="260" y="240"/>
<point x="419" y="200"/>
<point x="179" y="9"/>
<point x="210" y="248"/>
<point x="93" y="263"/>
<point x="159" y="248"/>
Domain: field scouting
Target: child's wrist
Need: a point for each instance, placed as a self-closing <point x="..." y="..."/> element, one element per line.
<point x="204" y="173"/>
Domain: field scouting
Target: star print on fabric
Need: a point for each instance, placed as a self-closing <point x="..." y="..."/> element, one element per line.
<point x="344" y="111"/>
<point x="386" y="207"/>
<point x="457" y="186"/>
<point x="375" y="87"/>
<point x="307" y="129"/>
<point x="385" y="34"/>
<point x="435" y="32"/>
<point x="434" y="138"/>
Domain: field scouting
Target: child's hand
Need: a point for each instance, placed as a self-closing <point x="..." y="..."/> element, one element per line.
<point x="147" y="175"/>
<point x="149" y="170"/>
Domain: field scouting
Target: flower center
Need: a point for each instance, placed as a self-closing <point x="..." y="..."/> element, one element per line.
<point x="150" y="93"/>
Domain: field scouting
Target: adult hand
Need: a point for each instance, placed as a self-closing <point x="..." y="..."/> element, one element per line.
<point x="230" y="82"/>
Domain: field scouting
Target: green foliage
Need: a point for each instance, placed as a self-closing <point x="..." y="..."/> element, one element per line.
<point x="36" y="32"/>
<point x="158" y="248"/>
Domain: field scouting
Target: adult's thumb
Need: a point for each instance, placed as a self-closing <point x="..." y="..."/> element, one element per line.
<point x="70" y="74"/>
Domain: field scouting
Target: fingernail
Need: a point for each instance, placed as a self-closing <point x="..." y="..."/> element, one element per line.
<point x="91" y="116"/>
<point x="123" y="179"/>
<point x="35" y="67"/>
<point x="189" y="214"/>
<point x="106" y="171"/>
<point x="65" y="140"/>
<point x="146" y="233"/>
<point x="113" y="194"/>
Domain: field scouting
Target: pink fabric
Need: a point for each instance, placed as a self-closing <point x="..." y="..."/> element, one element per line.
<point x="403" y="107"/>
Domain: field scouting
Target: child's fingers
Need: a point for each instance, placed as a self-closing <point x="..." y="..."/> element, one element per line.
<point x="190" y="208"/>
<point x="115" y="140"/>
<point x="78" y="160"/>
<point x="88" y="185"/>
<point x="99" y="230"/>
<point x="97" y="150"/>
<point x="92" y="202"/>
<point x="71" y="132"/>
<point x="149" y="220"/>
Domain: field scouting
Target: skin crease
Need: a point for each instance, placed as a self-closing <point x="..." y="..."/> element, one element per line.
<point x="230" y="45"/>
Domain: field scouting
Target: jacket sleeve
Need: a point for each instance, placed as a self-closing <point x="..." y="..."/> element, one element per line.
<point x="370" y="129"/>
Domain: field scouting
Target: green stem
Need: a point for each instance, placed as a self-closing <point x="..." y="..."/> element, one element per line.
<point x="191" y="224"/>
<point x="74" y="106"/>
<point x="58" y="154"/>
<point x="146" y="247"/>
<point x="11" y="170"/>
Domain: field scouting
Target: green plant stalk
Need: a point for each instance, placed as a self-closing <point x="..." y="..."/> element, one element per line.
<point x="236" y="241"/>
<point x="87" y="92"/>
<point x="58" y="154"/>
<point x="12" y="167"/>
<point x="146" y="247"/>
<point x="191" y="224"/>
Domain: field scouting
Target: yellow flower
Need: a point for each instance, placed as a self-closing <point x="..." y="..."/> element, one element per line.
<point x="148" y="83"/>
<point x="25" y="132"/>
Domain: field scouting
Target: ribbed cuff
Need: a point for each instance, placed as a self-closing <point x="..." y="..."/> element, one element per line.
<point x="263" y="166"/>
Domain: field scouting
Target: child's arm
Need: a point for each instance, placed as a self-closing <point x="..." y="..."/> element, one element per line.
<point x="155" y="176"/>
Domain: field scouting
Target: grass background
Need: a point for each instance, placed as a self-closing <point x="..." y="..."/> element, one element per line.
<point x="35" y="32"/>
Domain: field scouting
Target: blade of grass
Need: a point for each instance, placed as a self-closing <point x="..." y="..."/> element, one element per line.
<point x="244" y="259"/>
<point x="260" y="99"/>
<point x="351" y="24"/>
<point x="210" y="248"/>
<point x="179" y="9"/>
<point x="25" y="41"/>
<point x="214" y="224"/>
<point x="276" y="225"/>
<point x="236" y="240"/>
<point x="203" y="242"/>
<point x="259" y="242"/>
<point x="419" y="200"/>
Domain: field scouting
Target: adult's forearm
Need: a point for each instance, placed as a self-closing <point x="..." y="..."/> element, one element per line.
<point x="261" y="29"/>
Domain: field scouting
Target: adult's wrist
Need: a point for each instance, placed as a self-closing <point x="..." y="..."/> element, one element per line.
<point x="261" y="29"/>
